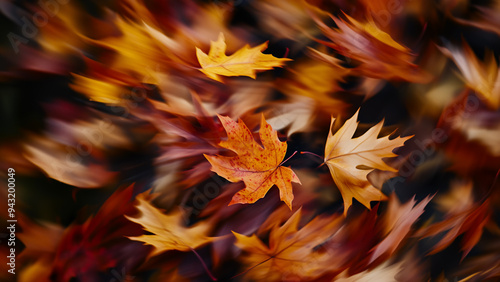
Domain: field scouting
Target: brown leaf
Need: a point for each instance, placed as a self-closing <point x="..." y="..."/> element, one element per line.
<point x="380" y="56"/>
<point x="463" y="216"/>
<point x="397" y="223"/>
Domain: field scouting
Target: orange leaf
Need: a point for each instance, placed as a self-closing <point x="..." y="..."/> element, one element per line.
<point x="291" y="251"/>
<point x="260" y="168"/>
<point x="344" y="155"/>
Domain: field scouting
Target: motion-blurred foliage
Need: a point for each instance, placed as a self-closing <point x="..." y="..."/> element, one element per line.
<point x="252" y="140"/>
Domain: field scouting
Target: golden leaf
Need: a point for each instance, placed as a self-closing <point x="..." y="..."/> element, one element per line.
<point x="291" y="252"/>
<point x="245" y="62"/>
<point x="344" y="155"/>
<point x="168" y="230"/>
<point x="484" y="78"/>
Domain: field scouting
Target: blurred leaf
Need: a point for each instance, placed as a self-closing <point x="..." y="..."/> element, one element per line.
<point x="168" y="230"/>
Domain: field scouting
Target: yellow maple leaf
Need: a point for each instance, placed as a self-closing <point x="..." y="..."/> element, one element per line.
<point x="260" y="168"/>
<point x="344" y="154"/>
<point x="244" y="62"/>
<point x="168" y="230"/>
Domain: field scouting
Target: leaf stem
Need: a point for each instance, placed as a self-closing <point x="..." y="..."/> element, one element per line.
<point x="250" y="268"/>
<point x="286" y="53"/>
<point x="310" y="153"/>
<point x="316" y="155"/>
<point x="492" y="186"/>
<point x="204" y="265"/>
<point x="288" y="158"/>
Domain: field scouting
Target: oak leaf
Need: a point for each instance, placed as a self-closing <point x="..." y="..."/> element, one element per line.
<point x="259" y="167"/>
<point x="244" y="62"/>
<point x="291" y="251"/>
<point x="168" y="230"/>
<point x="344" y="155"/>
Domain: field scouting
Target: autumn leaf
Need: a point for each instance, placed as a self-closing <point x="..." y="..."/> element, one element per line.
<point x="259" y="167"/>
<point x="81" y="250"/>
<point x="380" y="55"/>
<point x="344" y="155"/>
<point x="245" y="62"/>
<point x="53" y="158"/>
<point x="309" y="86"/>
<point x="97" y="90"/>
<point x="397" y="223"/>
<point x="168" y="230"/>
<point x="463" y="216"/>
<point x="290" y="250"/>
<point x="482" y="17"/>
<point x="483" y="77"/>
<point x="407" y="268"/>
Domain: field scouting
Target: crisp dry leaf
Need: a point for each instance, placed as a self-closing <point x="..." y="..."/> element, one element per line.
<point x="169" y="233"/>
<point x="344" y="155"/>
<point x="291" y="252"/>
<point x="260" y="168"/>
<point x="245" y="62"/>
